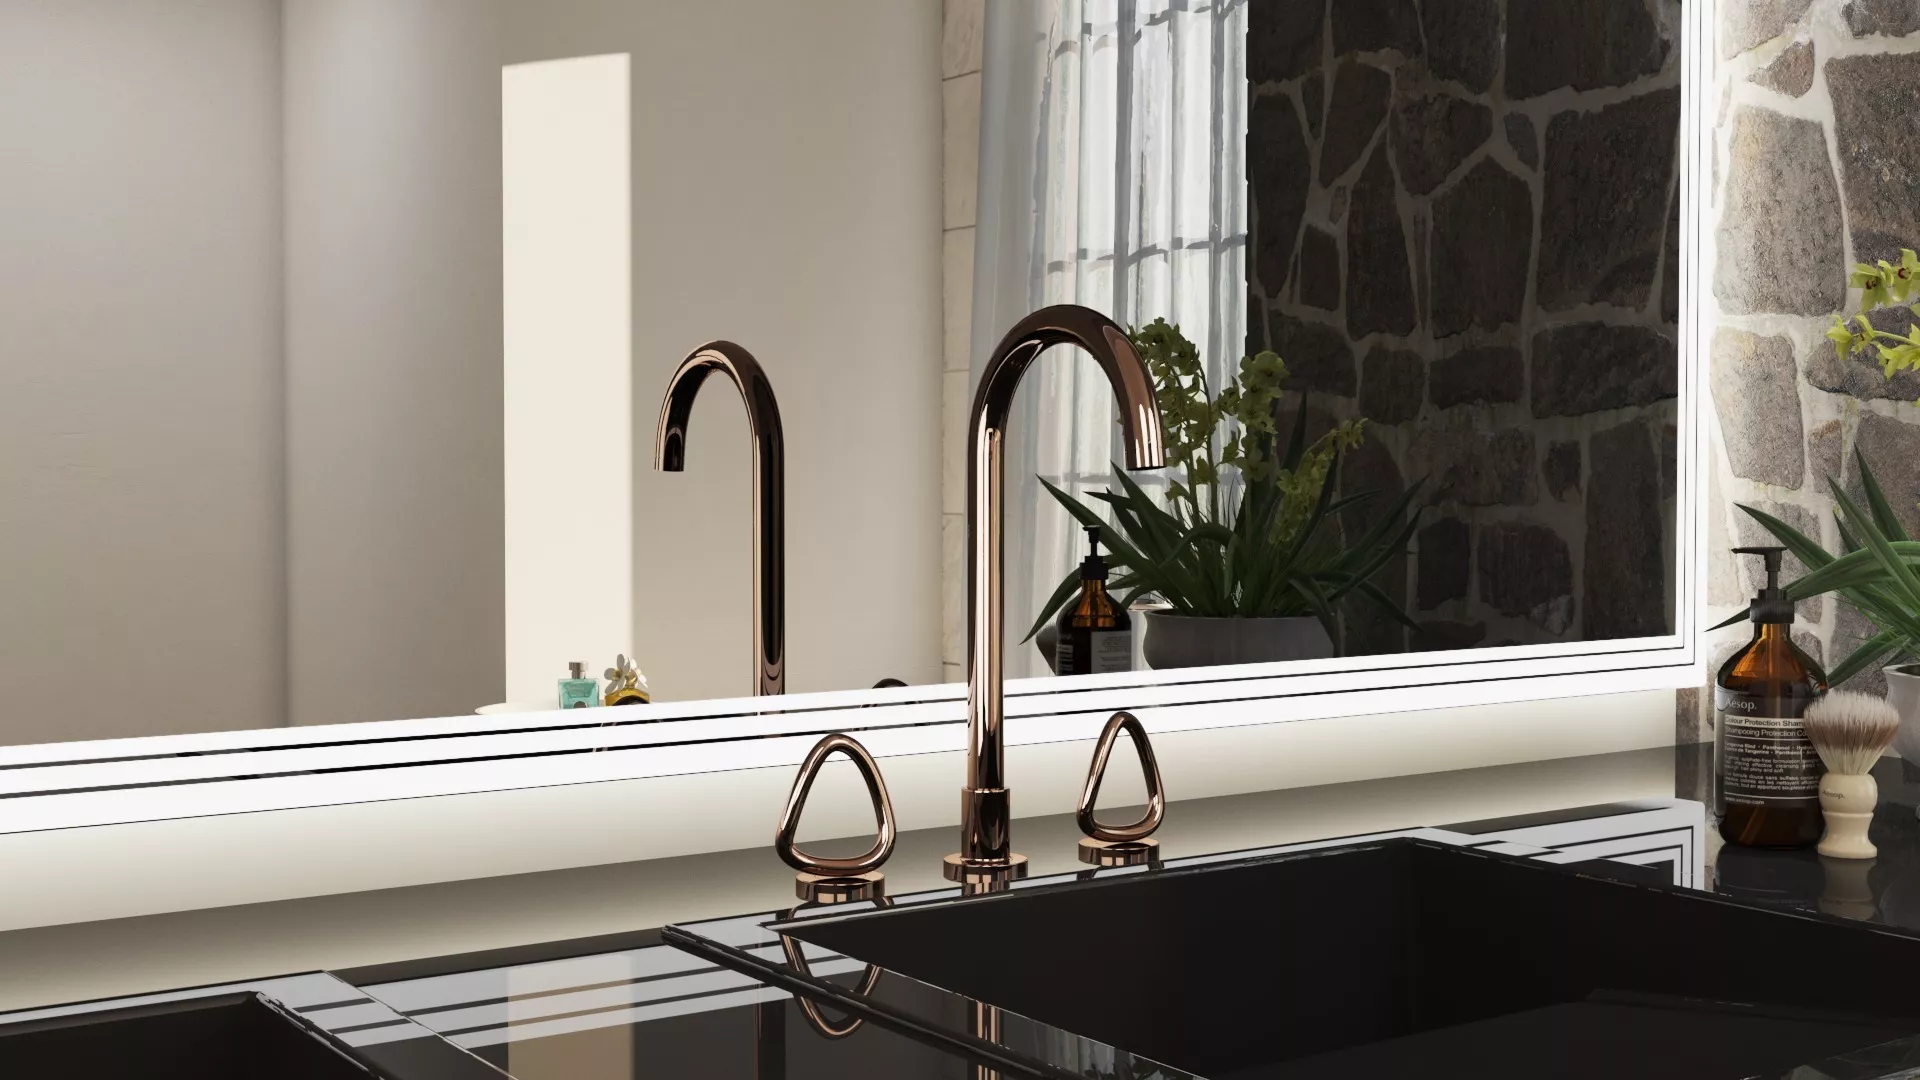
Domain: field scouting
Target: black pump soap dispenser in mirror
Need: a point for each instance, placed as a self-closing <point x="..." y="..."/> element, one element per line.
<point x="1766" y="774"/>
<point x="1096" y="634"/>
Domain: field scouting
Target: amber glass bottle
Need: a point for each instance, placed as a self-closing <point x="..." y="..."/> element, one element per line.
<point x="1766" y="774"/>
<point x="1096" y="634"/>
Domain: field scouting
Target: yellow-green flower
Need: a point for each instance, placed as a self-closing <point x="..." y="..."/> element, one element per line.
<point x="1873" y="285"/>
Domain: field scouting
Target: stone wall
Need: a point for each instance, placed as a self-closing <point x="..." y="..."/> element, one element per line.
<point x="1465" y="218"/>
<point x="1816" y="164"/>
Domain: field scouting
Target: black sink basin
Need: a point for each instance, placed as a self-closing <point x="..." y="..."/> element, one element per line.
<point x="1412" y="958"/>
<point x="241" y="1036"/>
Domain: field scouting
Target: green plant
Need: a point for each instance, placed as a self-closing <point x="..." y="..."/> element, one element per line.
<point x="1273" y="551"/>
<point x="1877" y="573"/>
<point x="1881" y="286"/>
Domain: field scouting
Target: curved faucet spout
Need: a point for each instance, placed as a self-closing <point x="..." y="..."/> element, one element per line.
<point x="985" y="843"/>
<point x="769" y="489"/>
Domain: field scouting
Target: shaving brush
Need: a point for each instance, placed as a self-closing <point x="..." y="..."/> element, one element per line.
<point x="1849" y="731"/>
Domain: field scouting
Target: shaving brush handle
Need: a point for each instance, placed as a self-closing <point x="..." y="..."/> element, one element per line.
<point x="1847" y="801"/>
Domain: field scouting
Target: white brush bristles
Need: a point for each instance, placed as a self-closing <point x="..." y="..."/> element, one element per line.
<point x="1850" y="731"/>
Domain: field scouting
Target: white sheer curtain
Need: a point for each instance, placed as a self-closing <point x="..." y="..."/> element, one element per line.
<point x="1111" y="143"/>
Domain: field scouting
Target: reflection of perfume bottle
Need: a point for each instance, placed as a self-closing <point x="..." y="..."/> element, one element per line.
<point x="625" y="684"/>
<point x="578" y="691"/>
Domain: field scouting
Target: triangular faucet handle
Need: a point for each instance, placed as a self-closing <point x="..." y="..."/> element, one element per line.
<point x="1149" y="769"/>
<point x="783" y="844"/>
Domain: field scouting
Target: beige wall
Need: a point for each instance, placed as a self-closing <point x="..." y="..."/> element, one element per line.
<point x="394" y="488"/>
<point x="141" y="566"/>
<point x="786" y="186"/>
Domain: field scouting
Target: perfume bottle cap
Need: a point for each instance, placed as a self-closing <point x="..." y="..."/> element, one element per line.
<point x="578" y="668"/>
<point x="1093" y="568"/>
<point x="1771" y="605"/>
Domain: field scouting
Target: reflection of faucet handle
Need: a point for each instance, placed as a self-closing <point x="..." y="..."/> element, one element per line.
<point x="797" y="960"/>
<point x="835" y="880"/>
<point x="1121" y="845"/>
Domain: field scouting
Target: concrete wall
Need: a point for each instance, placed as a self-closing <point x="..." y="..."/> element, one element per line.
<point x="142" y="576"/>
<point x="1816" y="164"/>
<point x="786" y="196"/>
<point x="393" y="427"/>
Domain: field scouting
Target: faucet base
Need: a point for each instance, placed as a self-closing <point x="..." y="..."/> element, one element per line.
<point x="957" y="867"/>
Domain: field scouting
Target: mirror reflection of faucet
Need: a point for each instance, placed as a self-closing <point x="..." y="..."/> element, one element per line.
<point x="769" y="489"/>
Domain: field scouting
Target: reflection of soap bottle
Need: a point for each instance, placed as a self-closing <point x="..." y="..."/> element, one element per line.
<point x="577" y="691"/>
<point x="1766" y="774"/>
<point x="1095" y="633"/>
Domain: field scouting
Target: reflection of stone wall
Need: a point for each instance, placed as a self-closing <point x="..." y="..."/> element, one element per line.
<point x="1464" y="228"/>
<point x="1816" y="163"/>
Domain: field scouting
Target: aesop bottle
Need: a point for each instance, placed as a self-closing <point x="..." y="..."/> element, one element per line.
<point x="1095" y="633"/>
<point x="1766" y="774"/>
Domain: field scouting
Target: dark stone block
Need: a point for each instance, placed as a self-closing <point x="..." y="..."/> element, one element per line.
<point x="1477" y="468"/>
<point x="1609" y="183"/>
<point x="1360" y="96"/>
<point x="1527" y="570"/>
<point x="1463" y="41"/>
<point x="1313" y="95"/>
<point x="1433" y="135"/>
<point x="1893" y="18"/>
<point x="1825" y="453"/>
<point x="1379" y="287"/>
<point x="1372" y="25"/>
<point x="1670" y="275"/>
<point x="1524" y="139"/>
<point x="1753" y="534"/>
<point x="1443" y="563"/>
<point x="1751" y="22"/>
<point x="1318" y="356"/>
<point x="1283" y="38"/>
<point x="1368" y="631"/>
<point x="1493" y="374"/>
<point x="1441" y="635"/>
<point x="1755" y="392"/>
<point x="1860" y="375"/>
<point x="1392" y="383"/>
<point x="1781" y="247"/>
<point x="1562" y="470"/>
<point x="1585" y="45"/>
<point x="1482" y="245"/>
<point x="1791" y="73"/>
<point x="1892" y="450"/>
<point x="1320" y="269"/>
<point x="1874" y="101"/>
<point x="1590" y="367"/>
<point x="1669" y="460"/>
<point x="1626" y="568"/>
<point x="1279" y="175"/>
<point x="1257" y="339"/>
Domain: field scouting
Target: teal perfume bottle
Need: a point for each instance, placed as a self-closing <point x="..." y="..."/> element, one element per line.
<point x="577" y="691"/>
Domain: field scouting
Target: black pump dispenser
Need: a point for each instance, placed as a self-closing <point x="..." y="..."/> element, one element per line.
<point x="1771" y="605"/>
<point x="1096" y="634"/>
<point x="1093" y="567"/>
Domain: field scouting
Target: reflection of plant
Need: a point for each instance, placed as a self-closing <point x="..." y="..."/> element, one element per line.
<point x="1132" y="1069"/>
<point x="1881" y="286"/>
<point x="1272" y="554"/>
<point x="1876" y="573"/>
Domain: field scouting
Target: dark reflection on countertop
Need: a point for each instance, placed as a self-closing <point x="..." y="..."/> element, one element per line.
<point x="1883" y="890"/>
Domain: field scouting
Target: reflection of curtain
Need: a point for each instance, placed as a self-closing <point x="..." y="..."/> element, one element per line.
<point x="1111" y="175"/>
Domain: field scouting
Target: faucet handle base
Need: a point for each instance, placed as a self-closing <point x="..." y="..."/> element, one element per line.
<point x="1119" y="852"/>
<point x="822" y="889"/>
<point x="957" y="867"/>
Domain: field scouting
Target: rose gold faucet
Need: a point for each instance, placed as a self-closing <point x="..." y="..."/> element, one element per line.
<point x="769" y="489"/>
<point x="985" y="853"/>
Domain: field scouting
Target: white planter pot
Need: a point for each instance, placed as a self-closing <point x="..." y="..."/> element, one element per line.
<point x="1903" y="693"/>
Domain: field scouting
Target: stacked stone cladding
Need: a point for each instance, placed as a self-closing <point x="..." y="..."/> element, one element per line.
<point x="1466" y="228"/>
